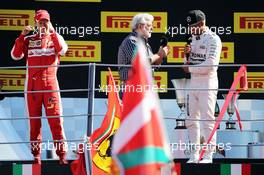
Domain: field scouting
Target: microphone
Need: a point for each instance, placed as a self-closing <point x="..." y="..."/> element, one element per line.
<point x="163" y="41"/>
<point x="189" y="40"/>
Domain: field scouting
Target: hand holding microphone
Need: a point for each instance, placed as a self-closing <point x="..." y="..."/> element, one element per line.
<point x="187" y="48"/>
<point x="163" y="49"/>
<point x="187" y="51"/>
<point x="163" y="41"/>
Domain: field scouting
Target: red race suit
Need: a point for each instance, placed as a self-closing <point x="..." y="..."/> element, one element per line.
<point x="42" y="51"/>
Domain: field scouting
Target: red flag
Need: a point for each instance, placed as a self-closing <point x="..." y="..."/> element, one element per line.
<point x="242" y="72"/>
<point x="140" y="146"/>
<point x="78" y="166"/>
<point x="101" y="138"/>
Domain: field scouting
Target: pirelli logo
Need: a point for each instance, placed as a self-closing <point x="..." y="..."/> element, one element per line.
<point x="70" y="0"/>
<point x="13" y="79"/>
<point x="160" y="80"/>
<point x="255" y="82"/>
<point x="227" y="54"/>
<point x="105" y="79"/>
<point x="176" y="54"/>
<point x="121" y="21"/>
<point x="249" y="22"/>
<point x="83" y="51"/>
<point x="16" y="19"/>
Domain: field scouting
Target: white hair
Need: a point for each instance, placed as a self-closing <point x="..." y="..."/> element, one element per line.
<point x="141" y="18"/>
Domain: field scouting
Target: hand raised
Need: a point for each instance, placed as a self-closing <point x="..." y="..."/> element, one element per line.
<point x="26" y="30"/>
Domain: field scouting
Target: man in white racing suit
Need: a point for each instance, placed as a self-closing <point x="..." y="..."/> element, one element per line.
<point x="205" y="49"/>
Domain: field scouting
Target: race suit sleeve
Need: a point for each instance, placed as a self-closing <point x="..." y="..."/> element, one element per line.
<point x="19" y="49"/>
<point x="213" y="53"/>
<point x="60" y="45"/>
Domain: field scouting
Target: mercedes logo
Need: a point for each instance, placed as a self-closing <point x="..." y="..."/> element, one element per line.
<point x="189" y="19"/>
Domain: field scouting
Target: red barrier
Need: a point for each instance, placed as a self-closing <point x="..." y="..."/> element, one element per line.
<point x="241" y="78"/>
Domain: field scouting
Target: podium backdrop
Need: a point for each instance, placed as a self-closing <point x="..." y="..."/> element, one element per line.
<point x="94" y="30"/>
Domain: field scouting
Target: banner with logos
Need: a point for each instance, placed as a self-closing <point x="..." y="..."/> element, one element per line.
<point x="160" y="82"/>
<point x="255" y="82"/>
<point x="94" y="30"/>
<point x="249" y="22"/>
<point x="12" y="79"/>
<point x="16" y="19"/>
<point x="83" y="51"/>
<point x="121" y="21"/>
<point x="177" y="55"/>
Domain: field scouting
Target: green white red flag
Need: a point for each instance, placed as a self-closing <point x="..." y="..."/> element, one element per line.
<point x="235" y="169"/>
<point x="26" y="169"/>
<point x="140" y="145"/>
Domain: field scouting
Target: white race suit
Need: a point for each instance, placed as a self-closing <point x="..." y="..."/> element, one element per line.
<point x="205" y="50"/>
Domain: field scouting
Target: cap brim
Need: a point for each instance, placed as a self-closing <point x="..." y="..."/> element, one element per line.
<point x="190" y="25"/>
<point x="44" y="18"/>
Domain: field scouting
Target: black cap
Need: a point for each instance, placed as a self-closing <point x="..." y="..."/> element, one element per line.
<point x="195" y="16"/>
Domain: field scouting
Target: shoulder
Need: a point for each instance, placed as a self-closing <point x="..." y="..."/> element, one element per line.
<point x="58" y="35"/>
<point x="133" y="39"/>
<point x="212" y="37"/>
<point x="130" y="39"/>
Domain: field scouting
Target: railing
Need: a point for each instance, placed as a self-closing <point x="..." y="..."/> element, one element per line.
<point x="91" y="96"/>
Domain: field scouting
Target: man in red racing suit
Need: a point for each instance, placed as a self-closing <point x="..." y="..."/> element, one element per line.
<point x="42" y="49"/>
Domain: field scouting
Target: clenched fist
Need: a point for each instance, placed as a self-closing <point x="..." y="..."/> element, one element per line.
<point x="26" y="30"/>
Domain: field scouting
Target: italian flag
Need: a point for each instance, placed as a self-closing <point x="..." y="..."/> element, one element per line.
<point x="235" y="169"/>
<point x="26" y="169"/>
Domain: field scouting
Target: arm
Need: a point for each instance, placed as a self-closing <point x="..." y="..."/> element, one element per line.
<point x="126" y="54"/>
<point x="158" y="57"/>
<point x="212" y="56"/>
<point x="21" y="44"/>
<point x="18" y="50"/>
<point x="60" y="45"/>
<point x="186" y="61"/>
